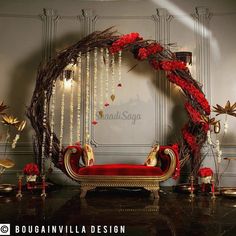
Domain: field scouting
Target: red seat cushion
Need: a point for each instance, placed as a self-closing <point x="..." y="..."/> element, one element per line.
<point x="121" y="169"/>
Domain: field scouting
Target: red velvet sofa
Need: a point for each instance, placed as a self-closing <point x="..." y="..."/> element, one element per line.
<point x="121" y="175"/>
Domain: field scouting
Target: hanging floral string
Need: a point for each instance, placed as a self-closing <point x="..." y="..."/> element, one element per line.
<point x="101" y="83"/>
<point x="119" y="68"/>
<point x="94" y="122"/>
<point x="107" y="78"/>
<point x="44" y="133"/>
<point x="79" y="66"/>
<point x="87" y="97"/>
<point x="71" y="106"/>
<point x="113" y="77"/>
<point x="62" y="113"/>
<point x="52" y="120"/>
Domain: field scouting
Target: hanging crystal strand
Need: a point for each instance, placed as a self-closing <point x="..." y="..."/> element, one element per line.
<point x="113" y="77"/>
<point x="94" y="122"/>
<point x="87" y="97"/>
<point x="101" y="84"/>
<point x="52" y="122"/>
<point x="119" y="69"/>
<point x="226" y="126"/>
<point x="71" y="107"/>
<point x="62" y="114"/>
<point x="107" y="77"/>
<point x="44" y="133"/>
<point x="79" y="96"/>
<point x="218" y="151"/>
<point x="209" y="140"/>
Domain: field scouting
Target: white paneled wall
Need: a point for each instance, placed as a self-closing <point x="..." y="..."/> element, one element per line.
<point x="32" y="31"/>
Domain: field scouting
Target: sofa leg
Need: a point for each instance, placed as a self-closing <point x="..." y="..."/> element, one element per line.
<point x="84" y="191"/>
<point x="155" y="194"/>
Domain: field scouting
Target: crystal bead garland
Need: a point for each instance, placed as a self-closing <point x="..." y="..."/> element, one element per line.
<point x="119" y="69"/>
<point x="226" y="126"/>
<point x="44" y="132"/>
<point x="107" y="77"/>
<point x="218" y="151"/>
<point x="87" y="136"/>
<point x="79" y="95"/>
<point x="94" y="122"/>
<point x="52" y="123"/>
<point x="113" y="77"/>
<point x="62" y="114"/>
<point x="101" y="83"/>
<point x="71" y="107"/>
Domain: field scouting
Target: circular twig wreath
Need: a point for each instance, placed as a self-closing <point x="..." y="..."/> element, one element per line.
<point x="160" y="58"/>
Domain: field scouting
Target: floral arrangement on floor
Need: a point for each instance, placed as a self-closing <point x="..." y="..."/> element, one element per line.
<point x="10" y="122"/>
<point x="31" y="171"/>
<point x="160" y="58"/>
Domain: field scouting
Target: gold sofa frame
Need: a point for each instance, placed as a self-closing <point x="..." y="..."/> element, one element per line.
<point x="89" y="182"/>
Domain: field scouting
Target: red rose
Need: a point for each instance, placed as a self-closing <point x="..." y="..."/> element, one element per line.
<point x="190" y="140"/>
<point x="31" y="169"/>
<point x="191" y="89"/>
<point x="154" y="48"/>
<point x="193" y="113"/>
<point x="205" y="171"/>
<point x="173" y="65"/>
<point x="155" y="64"/>
<point x="149" y="50"/>
<point x="166" y="65"/>
<point x="124" y="40"/>
<point x="142" y="53"/>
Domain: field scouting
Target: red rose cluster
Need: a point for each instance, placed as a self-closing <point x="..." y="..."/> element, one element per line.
<point x="195" y="116"/>
<point x="168" y="65"/>
<point x="119" y="44"/>
<point x="205" y="171"/>
<point x="155" y="64"/>
<point x="194" y="93"/>
<point x="151" y="49"/>
<point x="173" y="65"/>
<point x="191" y="89"/>
<point x="190" y="139"/>
<point x="31" y="169"/>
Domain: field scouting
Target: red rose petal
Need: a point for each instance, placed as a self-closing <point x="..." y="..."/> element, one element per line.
<point x="106" y="104"/>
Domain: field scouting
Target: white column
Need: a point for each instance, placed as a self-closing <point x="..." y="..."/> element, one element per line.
<point x="87" y="18"/>
<point x="49" y="19"/>
<point x="202" y="19"/>
<point x="162" y="19"/>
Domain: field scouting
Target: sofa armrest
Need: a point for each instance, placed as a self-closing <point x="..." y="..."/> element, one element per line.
<point x="171" y="168"/>
<point x="71" y="160"/>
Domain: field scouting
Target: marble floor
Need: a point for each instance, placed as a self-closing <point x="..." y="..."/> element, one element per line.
<point x="172" y="214"/>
